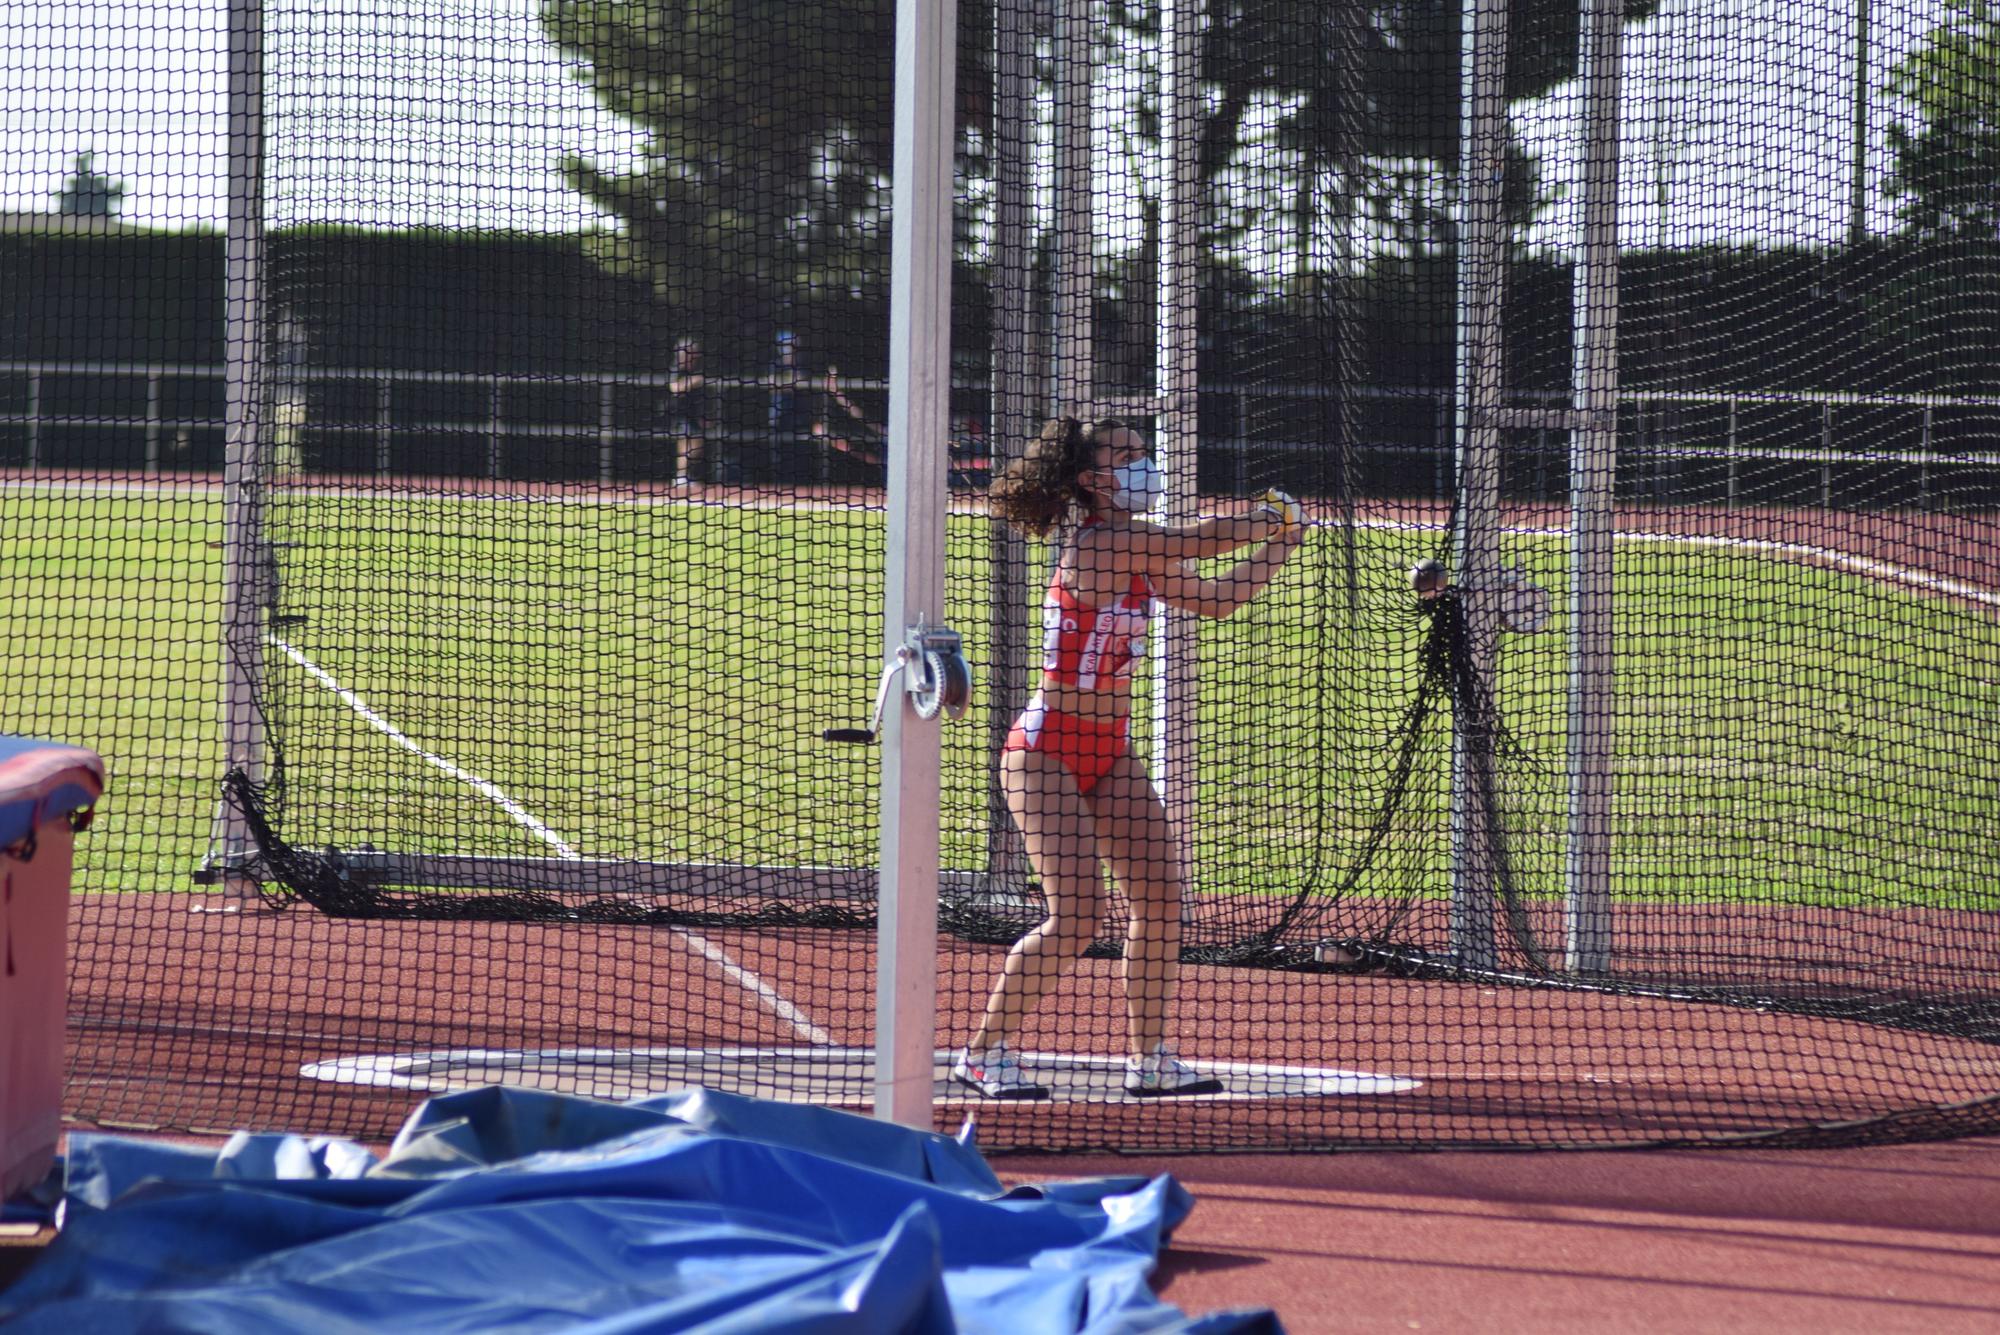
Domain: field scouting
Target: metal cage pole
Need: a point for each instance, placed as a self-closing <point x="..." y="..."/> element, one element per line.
<point x="1593" y="472"/>
<point x="1857" y="185"/>
<point x="1016" y="403"/>
<point x="1175" y="690"/>
<point x="1350" y="367"/>
<point x="1074" y="347"/>
<point x="247" y="574"/>
<point x="919" y="427"/>
<point x="1482" y="258"/>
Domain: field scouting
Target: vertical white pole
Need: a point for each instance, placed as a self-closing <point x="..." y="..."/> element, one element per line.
<point x="1175" y="697"/>
<point x="1015" y="406"/>
<point x="1349" y="366"/>
<point x="34" y="418"/>
<point x="1593" y="469"/>
<point x="1857" y="185"/>
<point x="1075" y="348"/>
<point x="1482" y="258"/>
<point x="919" y="424"/>
<point x="246" y="574"/>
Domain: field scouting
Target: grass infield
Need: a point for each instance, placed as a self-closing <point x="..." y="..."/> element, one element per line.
<point x="651" y="681"/>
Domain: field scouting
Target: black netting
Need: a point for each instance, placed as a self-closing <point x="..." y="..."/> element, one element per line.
<point x="445" y="454"/>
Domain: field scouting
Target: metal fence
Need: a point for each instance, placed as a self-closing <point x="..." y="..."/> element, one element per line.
<point x="1717" y="448"/>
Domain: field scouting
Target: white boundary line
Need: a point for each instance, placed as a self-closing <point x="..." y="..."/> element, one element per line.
<point x="1860" y="565"/>
<point x="844" y="1075"/>
<point x="799" y="1021"/>
<point x="760" y="499"/>
<point x="485" y="789"/>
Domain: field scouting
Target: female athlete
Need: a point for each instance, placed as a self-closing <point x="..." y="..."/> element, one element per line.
<point x="1082" y="800"/>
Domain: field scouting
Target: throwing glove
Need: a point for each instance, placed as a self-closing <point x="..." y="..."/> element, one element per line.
<point x="1288" y="512"/>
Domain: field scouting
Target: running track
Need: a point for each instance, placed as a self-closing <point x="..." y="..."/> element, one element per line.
<point x="1877" y="1241"/>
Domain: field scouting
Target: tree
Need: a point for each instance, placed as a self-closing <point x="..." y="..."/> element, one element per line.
<point x="1375" y="85"/>
<point x="1947" y="163"/>
<point x="766" y="172"/>
<point x="770" y="139"/>
<point x="87" y="194"/>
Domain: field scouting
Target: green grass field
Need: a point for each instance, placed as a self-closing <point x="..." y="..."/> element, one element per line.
<point x="651" y="680"/>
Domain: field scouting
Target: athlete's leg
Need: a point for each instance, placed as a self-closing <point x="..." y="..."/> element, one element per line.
<point x="1138" y="845"/>
<point x="691" y="454"/>
<point x="1062" y="846"/>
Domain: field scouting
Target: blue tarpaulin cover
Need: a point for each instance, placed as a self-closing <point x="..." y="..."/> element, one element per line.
<point x="514" y="1210"/>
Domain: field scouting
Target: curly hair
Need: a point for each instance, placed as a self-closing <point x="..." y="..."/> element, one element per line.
<point x="1039" y="490"/>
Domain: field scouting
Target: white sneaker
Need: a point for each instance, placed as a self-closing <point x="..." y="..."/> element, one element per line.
<point x="997" y="1074"/>
<point x="1159" y="1075"/>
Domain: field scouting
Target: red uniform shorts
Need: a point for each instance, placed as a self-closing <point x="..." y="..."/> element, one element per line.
<point x="1085" y="748"/>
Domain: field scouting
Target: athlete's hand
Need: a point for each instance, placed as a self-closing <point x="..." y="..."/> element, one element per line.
<point x="1291" y="516"/>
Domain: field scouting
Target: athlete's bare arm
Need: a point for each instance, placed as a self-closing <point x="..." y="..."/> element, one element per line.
<point x="1163" y="545"/>
<point x="1111" y="552"/>
<point x="1181" y="586"/>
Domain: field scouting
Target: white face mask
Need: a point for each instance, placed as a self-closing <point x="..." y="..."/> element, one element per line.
<point x="1141" y="484"/>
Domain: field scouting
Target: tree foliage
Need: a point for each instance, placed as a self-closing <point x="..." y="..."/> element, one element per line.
<point x="1947" y="162"/>
<point x="770" y="122"/>
<point x="769" y="127"/>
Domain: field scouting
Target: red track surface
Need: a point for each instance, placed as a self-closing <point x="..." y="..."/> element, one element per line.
<point x="186" y="1020"/>
<point x="1878" y="1241"/>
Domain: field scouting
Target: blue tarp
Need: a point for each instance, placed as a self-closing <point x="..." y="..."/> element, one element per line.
<point x="513" y="1210"/>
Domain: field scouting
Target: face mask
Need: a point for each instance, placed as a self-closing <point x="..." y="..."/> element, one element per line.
<point x="1140" y="486"/>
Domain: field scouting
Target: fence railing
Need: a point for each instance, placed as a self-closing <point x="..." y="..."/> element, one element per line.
<point x="167" y="417"/>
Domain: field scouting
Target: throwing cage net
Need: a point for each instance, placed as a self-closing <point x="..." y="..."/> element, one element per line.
<point x="446" y="475"/>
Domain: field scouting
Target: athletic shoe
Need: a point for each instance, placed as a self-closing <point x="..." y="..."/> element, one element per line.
<point x="1158" y="1075"/>
<point x="997" y="1074"/>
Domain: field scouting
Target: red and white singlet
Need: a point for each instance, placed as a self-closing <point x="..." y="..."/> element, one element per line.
<point x="1093" y="647"/>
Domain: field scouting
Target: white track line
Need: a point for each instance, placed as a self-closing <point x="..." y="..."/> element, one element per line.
<point x="819" y="1075"/>
<point x="1859" y="565"/>
<point x="800" y="1022"/>
<point x="710" y="498"/>
<point x="402" y="739"/>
